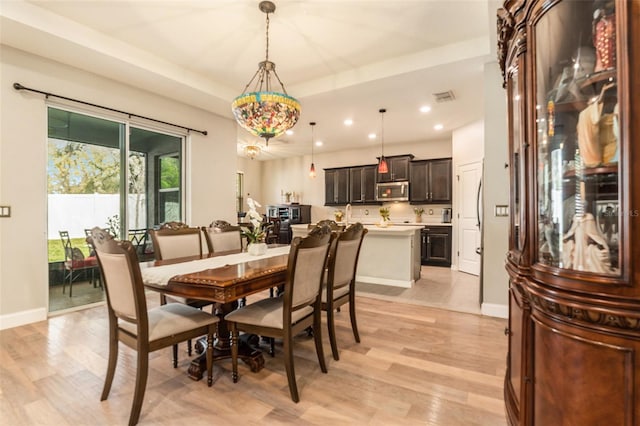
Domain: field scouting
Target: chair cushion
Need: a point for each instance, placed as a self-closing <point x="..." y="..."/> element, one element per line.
<point x="337" y="292"/>
<point x="87" y="262"/>
<point x="172" y="318"/>
<point x="266" y="313"/>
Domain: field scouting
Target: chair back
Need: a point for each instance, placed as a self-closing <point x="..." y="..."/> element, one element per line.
<point x="176" y="239"/>
<point x="332" y="224"/>
<point x="343" y="257"/>
<point x="71" y="254"/>
<point x="222" y="236"/>
<point x="273" y="231"/>
<point x="122" y="279"/>
<point x="305" y="269"/>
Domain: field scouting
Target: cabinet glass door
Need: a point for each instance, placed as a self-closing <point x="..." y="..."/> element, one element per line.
<point x="578" y="137"/>
<point x="516" y="107"/>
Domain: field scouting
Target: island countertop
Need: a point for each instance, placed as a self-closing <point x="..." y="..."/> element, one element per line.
<point x="389" y="255"/>
<point x="399" y="229"/>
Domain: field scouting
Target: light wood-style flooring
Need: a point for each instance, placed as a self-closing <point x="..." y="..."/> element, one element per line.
<point x="416" y="365"/>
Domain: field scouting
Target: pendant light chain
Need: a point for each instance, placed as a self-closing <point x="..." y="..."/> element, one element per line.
<point x="267" y="37"/>
<point x="312" y="169"/>
<point x="382" y="111"/>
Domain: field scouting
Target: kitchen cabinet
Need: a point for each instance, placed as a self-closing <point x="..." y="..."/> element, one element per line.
<point x="573" y="339"/>
<point x="430" y="181"/>
<point x="362" y="183"/>
<point x="436" y="246"/>
<point x="336" y="186"/>
<point x="398" y="168"/>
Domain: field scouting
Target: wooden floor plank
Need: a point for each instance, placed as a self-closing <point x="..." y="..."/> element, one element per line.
<point x="415" y="365"/>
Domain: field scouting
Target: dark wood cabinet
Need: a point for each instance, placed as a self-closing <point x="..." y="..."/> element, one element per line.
<point x="430" y="181"/>
<point x="362" y="183"/>
<point x="570" y="71"/>
<point x="336" y="184"/>
<point x="398" y="168"/>
<point x="436" y="246"/>
<point x="289" y="214"/>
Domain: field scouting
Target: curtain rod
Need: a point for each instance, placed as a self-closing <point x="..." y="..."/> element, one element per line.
<point x="19" y="86"/>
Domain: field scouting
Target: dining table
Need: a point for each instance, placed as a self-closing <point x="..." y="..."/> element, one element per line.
<point x="223" y="278"/>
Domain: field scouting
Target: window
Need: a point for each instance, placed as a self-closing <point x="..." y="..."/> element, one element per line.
<point x="239" y="192"/>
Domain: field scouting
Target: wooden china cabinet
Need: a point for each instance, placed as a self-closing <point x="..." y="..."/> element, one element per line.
<point x="572" y="78"/>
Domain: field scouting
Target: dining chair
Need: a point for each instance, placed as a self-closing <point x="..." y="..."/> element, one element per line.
<point x="220" y="236"/>
<point x="339" y="285"/>
<point x="140" y="240"/>
<point x="132" y="323"/>
<point x="332" y="224"/>
<point x="75" y="262"/>
<point x="297" y="309"/>
<point x="171" y="241"/>
<point x="273" y="231"/>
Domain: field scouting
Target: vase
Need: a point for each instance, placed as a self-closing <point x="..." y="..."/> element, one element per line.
<point x="257" y="249"/>
<point x="418" y="219"/>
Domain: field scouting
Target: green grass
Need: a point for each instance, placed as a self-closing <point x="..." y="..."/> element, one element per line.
<point x="56" y="251"/>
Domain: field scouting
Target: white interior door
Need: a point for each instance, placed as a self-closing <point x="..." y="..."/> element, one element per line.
<point x="469" y="237"/>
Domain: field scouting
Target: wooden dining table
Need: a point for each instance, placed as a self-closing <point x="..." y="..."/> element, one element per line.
<point x="223" y="278"/>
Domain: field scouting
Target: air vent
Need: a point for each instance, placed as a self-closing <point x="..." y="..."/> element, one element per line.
<point x="447" y="96"/>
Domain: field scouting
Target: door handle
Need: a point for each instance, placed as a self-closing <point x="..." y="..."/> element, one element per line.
<point x="478" y="204"/>
<point x="478" y="250"/>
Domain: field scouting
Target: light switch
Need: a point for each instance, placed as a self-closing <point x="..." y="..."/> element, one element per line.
<point x="501" y="210"/>
<point x="5" y="211"/>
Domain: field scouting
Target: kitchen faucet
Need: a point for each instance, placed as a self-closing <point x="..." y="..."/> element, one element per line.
<point x="347" y="210"/>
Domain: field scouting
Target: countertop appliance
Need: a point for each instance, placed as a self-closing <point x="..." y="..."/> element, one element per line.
<point x="392" y="191"/>
<point x="446" y="215"/>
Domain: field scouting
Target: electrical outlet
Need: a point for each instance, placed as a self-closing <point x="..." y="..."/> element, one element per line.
<point x="5" y="211"/>
<point x="501" y="210"/>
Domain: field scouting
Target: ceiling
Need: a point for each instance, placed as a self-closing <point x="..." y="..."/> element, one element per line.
<point x="340" y="58"/>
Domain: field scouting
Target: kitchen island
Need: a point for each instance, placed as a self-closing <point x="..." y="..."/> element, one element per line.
<point x="389" y="256"/>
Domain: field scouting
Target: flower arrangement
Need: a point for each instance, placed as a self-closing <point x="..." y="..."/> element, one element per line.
<point x="384" y="213"/>
<point x="338" y="214"/>
<point x="258" y="232"/>
<point x="418" y="211"/>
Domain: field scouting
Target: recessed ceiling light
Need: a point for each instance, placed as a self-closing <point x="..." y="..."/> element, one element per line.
<point x="319" y="143"/>
<point x="348" y="122"/>
<point x="425" y="108"/>
<point x="372" y="135"/>
<point x="438" y="127"/>
<point x="289" y="132"/>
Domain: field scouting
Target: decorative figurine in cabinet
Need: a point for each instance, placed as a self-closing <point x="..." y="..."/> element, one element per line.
<point x="570" y="69"/>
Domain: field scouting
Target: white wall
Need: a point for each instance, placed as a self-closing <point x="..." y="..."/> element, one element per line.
<point x="252" y="170"/>
<point x="23" y="161"/>
<point x="496" y="177"/>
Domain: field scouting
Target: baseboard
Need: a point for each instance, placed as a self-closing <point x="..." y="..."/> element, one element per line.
<point x="384" y="281"/>
<point x="22" y="318"/>
<point x="495" y="310"/>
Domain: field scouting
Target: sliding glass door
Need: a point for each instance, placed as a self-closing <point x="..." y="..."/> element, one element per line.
<point x="110" y="174"/>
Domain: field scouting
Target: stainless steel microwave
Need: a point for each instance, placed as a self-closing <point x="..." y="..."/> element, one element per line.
<point x="392" y="191"/>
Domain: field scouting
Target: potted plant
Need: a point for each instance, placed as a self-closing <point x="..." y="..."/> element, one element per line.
<point x="418" y="212"/>
<point x="338" y="214"/>
<point x="256" y="234"/>
<point x="384" y="214"/>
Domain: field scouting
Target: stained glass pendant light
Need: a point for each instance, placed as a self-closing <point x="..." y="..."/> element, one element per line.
<point x="382" y="165"/>
<point x="264" y="112"/>
<point x="312" y="169"/>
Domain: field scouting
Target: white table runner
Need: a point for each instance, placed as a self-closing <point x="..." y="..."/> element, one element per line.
<point x="160" y="275"/>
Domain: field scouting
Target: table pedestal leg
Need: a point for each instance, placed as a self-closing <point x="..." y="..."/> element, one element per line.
<point x="248" y="349"/>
